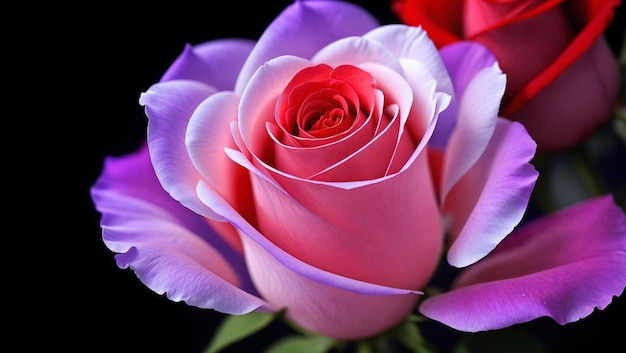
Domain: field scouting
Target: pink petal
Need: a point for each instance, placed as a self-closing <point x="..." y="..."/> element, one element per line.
<point x="208" y="134"/>
<point x="169" y="106"/>
<point x="306" y="157"/>
<point x="347" y="231"/>
<point x="491" y="199"/>
<point x="371" y="160"/>
<point x="563" y="266"/>
<point x="171" y="249"/>
<point x="427" y="104"/>
<point x="412" y="43"/>
<point x="414" y="48"/>
<point x="356" y="51"/>
<point x="306" y="162"/>
<point x="374" y="158"/>
<point x="328" y="310"/>
<point x="208" y="195"/>
<point x="258" y="102"/>
<point x="317" y="300"/>
<point x="298" y="31"/>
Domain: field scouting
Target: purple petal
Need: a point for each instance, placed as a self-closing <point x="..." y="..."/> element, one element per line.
<point x="563" y="266"/>
<point x="169" y="106"/>
<point x="302" y="29"/>
<point x="216" y="63"/>
<point x="171" y="249"/>
<point x="463" y="61"/>
<point x="477" y="114"/>
<point x="491" y="199"/>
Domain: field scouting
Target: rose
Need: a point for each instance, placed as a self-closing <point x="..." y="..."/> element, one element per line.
<point x="321" y="178"/>
<point x="562" y="77"/>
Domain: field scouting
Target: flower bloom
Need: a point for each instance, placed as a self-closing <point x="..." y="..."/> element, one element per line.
<point x="323" y="171"/>
<point x="562" y="77"/>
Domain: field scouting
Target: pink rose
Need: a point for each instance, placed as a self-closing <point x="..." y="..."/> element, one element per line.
<point x="322" y="172"/>
<point x="562" y="77"/>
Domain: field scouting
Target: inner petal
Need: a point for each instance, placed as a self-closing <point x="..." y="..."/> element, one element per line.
<point x="321" y="102"/>
<point x="325" y="114"/>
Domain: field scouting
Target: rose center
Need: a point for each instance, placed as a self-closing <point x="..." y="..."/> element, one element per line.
<point x="328" y="119"/>
<point x="321" y="102"/>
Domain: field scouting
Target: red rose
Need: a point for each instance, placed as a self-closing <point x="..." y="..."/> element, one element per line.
<point x="562" y="77"/>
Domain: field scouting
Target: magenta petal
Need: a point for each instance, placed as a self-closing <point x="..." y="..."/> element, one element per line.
<point x="562" y="265"/>
<point x="216" y="63"/>
<point x="491" y="199"/>
<point x="171" y="249"/>
<point x="303" y="28"/>
<point x="169" y="106"/>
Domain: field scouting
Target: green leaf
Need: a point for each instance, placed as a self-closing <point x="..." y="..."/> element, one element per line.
<point x="365" y="346"/>
<point x="510" y="340"/>
<point x="408" y="334"/>
<point x="302" y="344"/>
<point x="237" y="327"/>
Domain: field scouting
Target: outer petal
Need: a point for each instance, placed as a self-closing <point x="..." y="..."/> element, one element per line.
<point x="412" y="44"/>
<point x="317" y="223"/>
<point x="463" y="61"/>
<point x="325" y="309"/>
<point x="306" y="289"/>
<point x="356" y="51"/>
<point x="303" y="28"/>
<point x="171" y="249"/>
<point x="216" y="63"/>
<point x="562" y="266"/>
<point x="208" y="195"/>
<point x="490" y="200"/>
<point x="208" y="134"/>
<point x="478" y="112"/>
<point x="169" y="106"/>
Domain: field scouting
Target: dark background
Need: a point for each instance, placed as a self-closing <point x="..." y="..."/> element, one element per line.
<point x="95" y="61"/>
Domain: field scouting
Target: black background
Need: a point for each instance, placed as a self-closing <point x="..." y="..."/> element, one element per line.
<point x="79" y="72"/>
